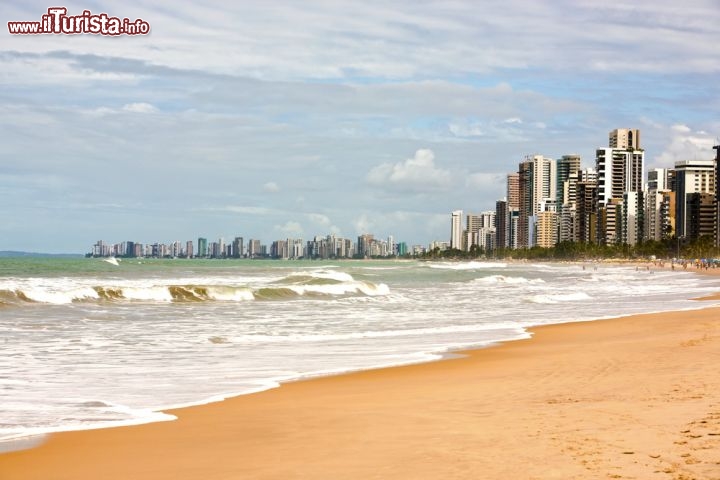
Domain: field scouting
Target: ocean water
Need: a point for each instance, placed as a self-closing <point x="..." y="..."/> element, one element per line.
<point x="88" y="344"/>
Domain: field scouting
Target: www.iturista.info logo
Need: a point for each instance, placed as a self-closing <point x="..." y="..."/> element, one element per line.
<point x="58" y="22"/>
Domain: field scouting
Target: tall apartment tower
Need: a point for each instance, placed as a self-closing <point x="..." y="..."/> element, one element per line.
<point x="537" y="192"/>
<point x="656" y="205"/>
<point x="567" y="166"/>
<point x="513" y="190"/>
<point x="717" y="195"/>
<point x="511" y="212"/>
<point x="456" y="230"/>
<point x="238" y="248"/>
<point x="625" y="139"/>
<point x="619" y="170"/>
<point x="691" y="176"/>
<point x="501" y="224"/>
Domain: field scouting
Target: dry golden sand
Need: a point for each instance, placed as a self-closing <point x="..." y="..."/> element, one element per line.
<point x="637" y="397"/>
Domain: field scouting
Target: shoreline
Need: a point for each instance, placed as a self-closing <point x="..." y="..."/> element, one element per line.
<point x="435" y="400"/>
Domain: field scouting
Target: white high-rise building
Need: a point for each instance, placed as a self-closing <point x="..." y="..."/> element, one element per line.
<point x="620" y="169"/>
<point x="632" y="218"/>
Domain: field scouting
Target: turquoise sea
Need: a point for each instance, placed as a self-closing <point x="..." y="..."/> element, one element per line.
<point x="87" y="343"/>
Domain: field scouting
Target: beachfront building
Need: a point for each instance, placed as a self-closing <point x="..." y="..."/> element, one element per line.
<point x="568" y="167"/>
<point x="717" y="195"/>
<point x="254" y="249"/>
<point x="547" y="229"/>
<point x="658" y="185"/>
<point x="624" y="139"/>
<point x="537" y="188"/>
<point x="701" y="215"/>
<point x="632" y="221"/>
<point x="619" y="170"/>
<point x="456" y="230"/>
<point x="202" y="250"/>
<point x="691" y="176"/>
<point x="513" y="190"/>
<point x="501" y="224"/>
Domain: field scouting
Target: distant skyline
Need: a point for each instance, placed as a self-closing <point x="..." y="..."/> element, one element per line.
<point x="287" y="119"/>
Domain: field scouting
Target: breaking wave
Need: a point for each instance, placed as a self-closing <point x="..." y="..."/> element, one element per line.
<point x="296" y="285"/>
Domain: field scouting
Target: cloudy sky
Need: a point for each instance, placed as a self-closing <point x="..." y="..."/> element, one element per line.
<point x="286" y="119"/>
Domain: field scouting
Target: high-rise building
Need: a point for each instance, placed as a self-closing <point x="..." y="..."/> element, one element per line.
<point x="619" y="170"/>
<point x="513" y="190"/>
<point x="456" y="230"/>
<point x="701" y="215"/>
<point x="255" y="250"/>
<point x="537" y="190"/>
<point x="631" y="223"/>
<point x="657" y="185"/>
<point x="568" y="166"/>
<point x="364" y="245"/>
<point x="238" y="247"/>
<point x="658" y="179"/>
<point x="691" y="176"/>
<point x="473" y="224"/>
<point x="501" y="224"/>
<point x="202" y="247"/>
<point x="667" y="215"/>
<point x="547" y="228"/>
<point x="625" y="139"/>
<point x="717" y="195"/>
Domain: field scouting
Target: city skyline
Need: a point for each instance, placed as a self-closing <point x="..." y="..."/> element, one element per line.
<point x="319" y="247"/>
<point x="345" y="118"/>
<point x="615" y="203"/>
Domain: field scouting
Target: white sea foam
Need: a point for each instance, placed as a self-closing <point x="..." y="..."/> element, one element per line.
<point x="59" y="297"/>
<point x="502" y="279"/>
<point x="154" y="293"/>
<point x="235" y="294"/>
<point x="561" y="297"/>
<point x="466" y="265"/>
<point x="325" y="274"/>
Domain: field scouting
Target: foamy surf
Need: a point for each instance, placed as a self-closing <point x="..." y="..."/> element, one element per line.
<point x="60" y="291"/>
<point x="466" y="265"/>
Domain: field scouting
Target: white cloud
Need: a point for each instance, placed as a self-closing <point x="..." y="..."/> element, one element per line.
<point x="290" y="229"/>
<point x="319" y="219"/>
<point x="466" y="130"/>
<point x="324" y="223"/>
<point x="416" y="174"/>
<point x="681" y="128"/>
<point x="685" y="144"/>
<point x="363" y="224"/>
<point x="141" y="107"/>
<point x="271" y="187"/>
<point x="247" y="210"/>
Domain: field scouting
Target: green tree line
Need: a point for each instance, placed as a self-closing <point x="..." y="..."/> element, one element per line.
<point x="703" y="247"/>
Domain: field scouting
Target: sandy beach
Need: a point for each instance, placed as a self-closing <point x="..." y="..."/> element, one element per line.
<point x="636" y="397"/>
